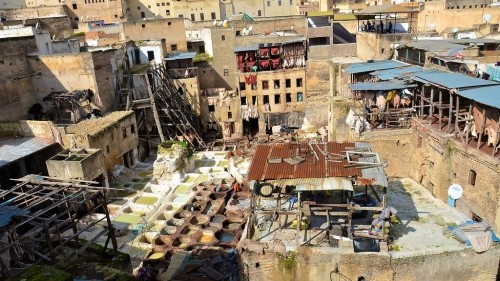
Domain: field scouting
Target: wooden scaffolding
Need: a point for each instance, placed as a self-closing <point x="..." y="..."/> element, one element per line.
<point x="36" y="213"/>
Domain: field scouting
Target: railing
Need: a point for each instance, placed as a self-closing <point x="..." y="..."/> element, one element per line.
<point x="182" y="73"/>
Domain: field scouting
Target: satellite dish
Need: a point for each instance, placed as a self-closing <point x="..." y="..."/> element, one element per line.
<point x="250" y="28"/>
<point x="291" y="27"/>
<point x="215" y="22"/>
<point x="455" y="191"/>
<point x="454" y="30"/>
<point x="487" y="18"/>
<point x="244" y="31"/>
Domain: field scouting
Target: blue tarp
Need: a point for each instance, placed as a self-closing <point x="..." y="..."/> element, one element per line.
<point x="379" y="86"/>
<point x="362" y="67"/>
<point x="486" y="95"/>
<point x="451" y="80"/>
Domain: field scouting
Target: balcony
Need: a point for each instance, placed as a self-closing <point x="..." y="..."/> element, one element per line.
<point x="183" y="73"/>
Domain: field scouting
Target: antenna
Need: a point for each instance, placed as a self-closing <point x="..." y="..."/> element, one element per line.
<point x="486" y="18"/>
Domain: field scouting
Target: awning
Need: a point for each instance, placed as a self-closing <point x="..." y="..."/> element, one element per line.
<point x="246" y="48"/>
<point x="363" y="67"/>
<point x="379" y="86"/>
<point x="181" y="56"/>
<point x="315" y="184"/>
<point x="451" y="80"/>
<point x="388" y="74"/>
<point x="486" y="95"/>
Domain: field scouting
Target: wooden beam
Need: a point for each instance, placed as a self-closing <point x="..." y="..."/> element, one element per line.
<point x="439" y="107"/>
<point x="431" y="109"/>
<point x="483" y="123"/>
<point x="153" y="108"/>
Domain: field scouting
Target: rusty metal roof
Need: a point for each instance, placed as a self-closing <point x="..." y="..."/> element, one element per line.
<point x="260" y="169"/>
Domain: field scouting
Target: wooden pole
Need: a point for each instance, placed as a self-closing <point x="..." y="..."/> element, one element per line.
<point x="299" y="219"/>
<point x="422" y="102"/>
<point x="457" y="108"/>
<point x="431" y="107"/>
<point x="483" y="123"/>
<point x="470" y="114"/>
<point x="440" y="107"/>
<point x="498" y="138"/>
<point x="450" y="109"/>
<point x="153" y="108"/>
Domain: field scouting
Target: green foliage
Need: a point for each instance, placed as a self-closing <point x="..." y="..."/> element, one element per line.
<point x="43" y="273"/>
<point x="289" y="262"/>
<point x="76" y="34"/>
<point x="167" y="147"/>
<point x="199" y="57"/>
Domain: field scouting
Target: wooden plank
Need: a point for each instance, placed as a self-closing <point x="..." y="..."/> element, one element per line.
<point x="153" y="107"/>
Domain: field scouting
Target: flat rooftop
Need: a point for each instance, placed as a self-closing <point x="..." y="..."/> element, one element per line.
<point x="96" y="125"/>
<point x="13" y="149"/>
<point x="422" y="228"/>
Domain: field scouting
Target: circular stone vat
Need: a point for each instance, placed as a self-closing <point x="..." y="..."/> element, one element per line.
<point x="182" y="242"/>
<point x="166" y="239"/>
<point x="168" y="230"/>
<point x="175" y="222"/>
<point x="218" y="218"/>
<point x="225" y="236"/>
<point x="148" y="236"/>
<point x="206" y="237"/>
<point x="190" y="230"/>
<point x="200" y="220"/>
<point x="182" y="215"/>
<point x="159" y="245"/>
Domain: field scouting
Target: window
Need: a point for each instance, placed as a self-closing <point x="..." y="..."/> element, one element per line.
<point x="223" y="37"/>
<point x="143" y="25"/>
<point x="149" y="6"/>
<point x="276" y="84"/>
<point x="124" y="133"/>
<point x="299" y="82"/>
<point x="212" y="15"/>
<point x="277" y="99"/>
<point x="157" y="4"/>
<point x="173" y="47"/>
<point x="132" y="129"/>
<point x="243" y="100"/>
<point x="254" y="100"/>
<point x="143" y="15"/>
<point x="229" y="115"/>
<point x="107" y="149"/>
<point x="75" y="6"/>
<point x="192" y="17"/>
<point x="268" y="3"/>
<point x="76" y="19"/>
<point x="259" y="13"/>
<point x="288" y="83"/>
<point x="291" y="2"/>
<point x="168" y="14"/>
<point x="181" y="16"/>
<point x="202" y="16"/>
<point x="472" y="177"/>
<point x="226" y="72"/>
<point x="288" y="97"/>
<point x="279" y="2"/>
<point x="211" y="108"/>
<point x="238" y="33"/>
<point x="265" y="85"/>
<point x="163" y="4"/>
<point x="168" y="3"/>
<point x="138" y="8"/>
<point x="242" y="86"/>
<point x="266" y="99"/>
<point x="299" y="97"/>
<point x="116" y="16"/>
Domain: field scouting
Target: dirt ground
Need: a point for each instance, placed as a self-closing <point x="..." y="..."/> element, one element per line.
<point x="423" y="219"/>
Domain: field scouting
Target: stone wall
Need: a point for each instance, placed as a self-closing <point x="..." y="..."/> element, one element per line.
<point x="59" y="26"/>
<point x="33" y="13"/>
<point x="372" y="46"/>
<point x="330" y="51"/>
<point x="172" y="30"/>
<point x="311" y="263"/>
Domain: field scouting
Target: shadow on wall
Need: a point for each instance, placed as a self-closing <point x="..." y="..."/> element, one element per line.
<point x="212" y="79"/>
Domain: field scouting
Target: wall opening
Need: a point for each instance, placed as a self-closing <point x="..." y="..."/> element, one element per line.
<point x="472" y="177"/>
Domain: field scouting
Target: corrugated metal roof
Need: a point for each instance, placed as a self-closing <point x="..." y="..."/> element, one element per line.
<point x="379" y="86"/>
<point x="373" y="66"/>
<point x="7" y="212"/>
<point x="305" y="184"/>
<point x="486" y="95"/>
<point x="451" y="80"/>
<point x="246" y="48"/>
<point x="261" y="170"/>
<point x="376" y="173"/>
<point x="13" y="149"/>
<point x="388" y="74"/>
<point x="181" y="56"/>
<point x="433" y="45"/>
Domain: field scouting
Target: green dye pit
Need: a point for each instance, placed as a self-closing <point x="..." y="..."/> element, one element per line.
<point x="146" y="174"/>
<point x="182" y="189"/>
<point x="128" y="219"/>
<point x="146" y="200"/>
<point x="156" y="256"/>
<point x="139" y="186"/>
<point x="201" y="178"/>
<point x="190" y="179"/>
<point x="222" y="164"/>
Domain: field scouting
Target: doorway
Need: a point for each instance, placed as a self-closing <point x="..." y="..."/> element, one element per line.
<point x="151" y="55"/>
<point x="252" y="126"/>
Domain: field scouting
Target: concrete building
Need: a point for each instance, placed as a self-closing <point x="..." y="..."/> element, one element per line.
<point x="24" y="148"/>
<point x="106" y="11"/>
<point x="146" y="51"/>
<point x="114" y="134"/>
<point x="198" y="10"/>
